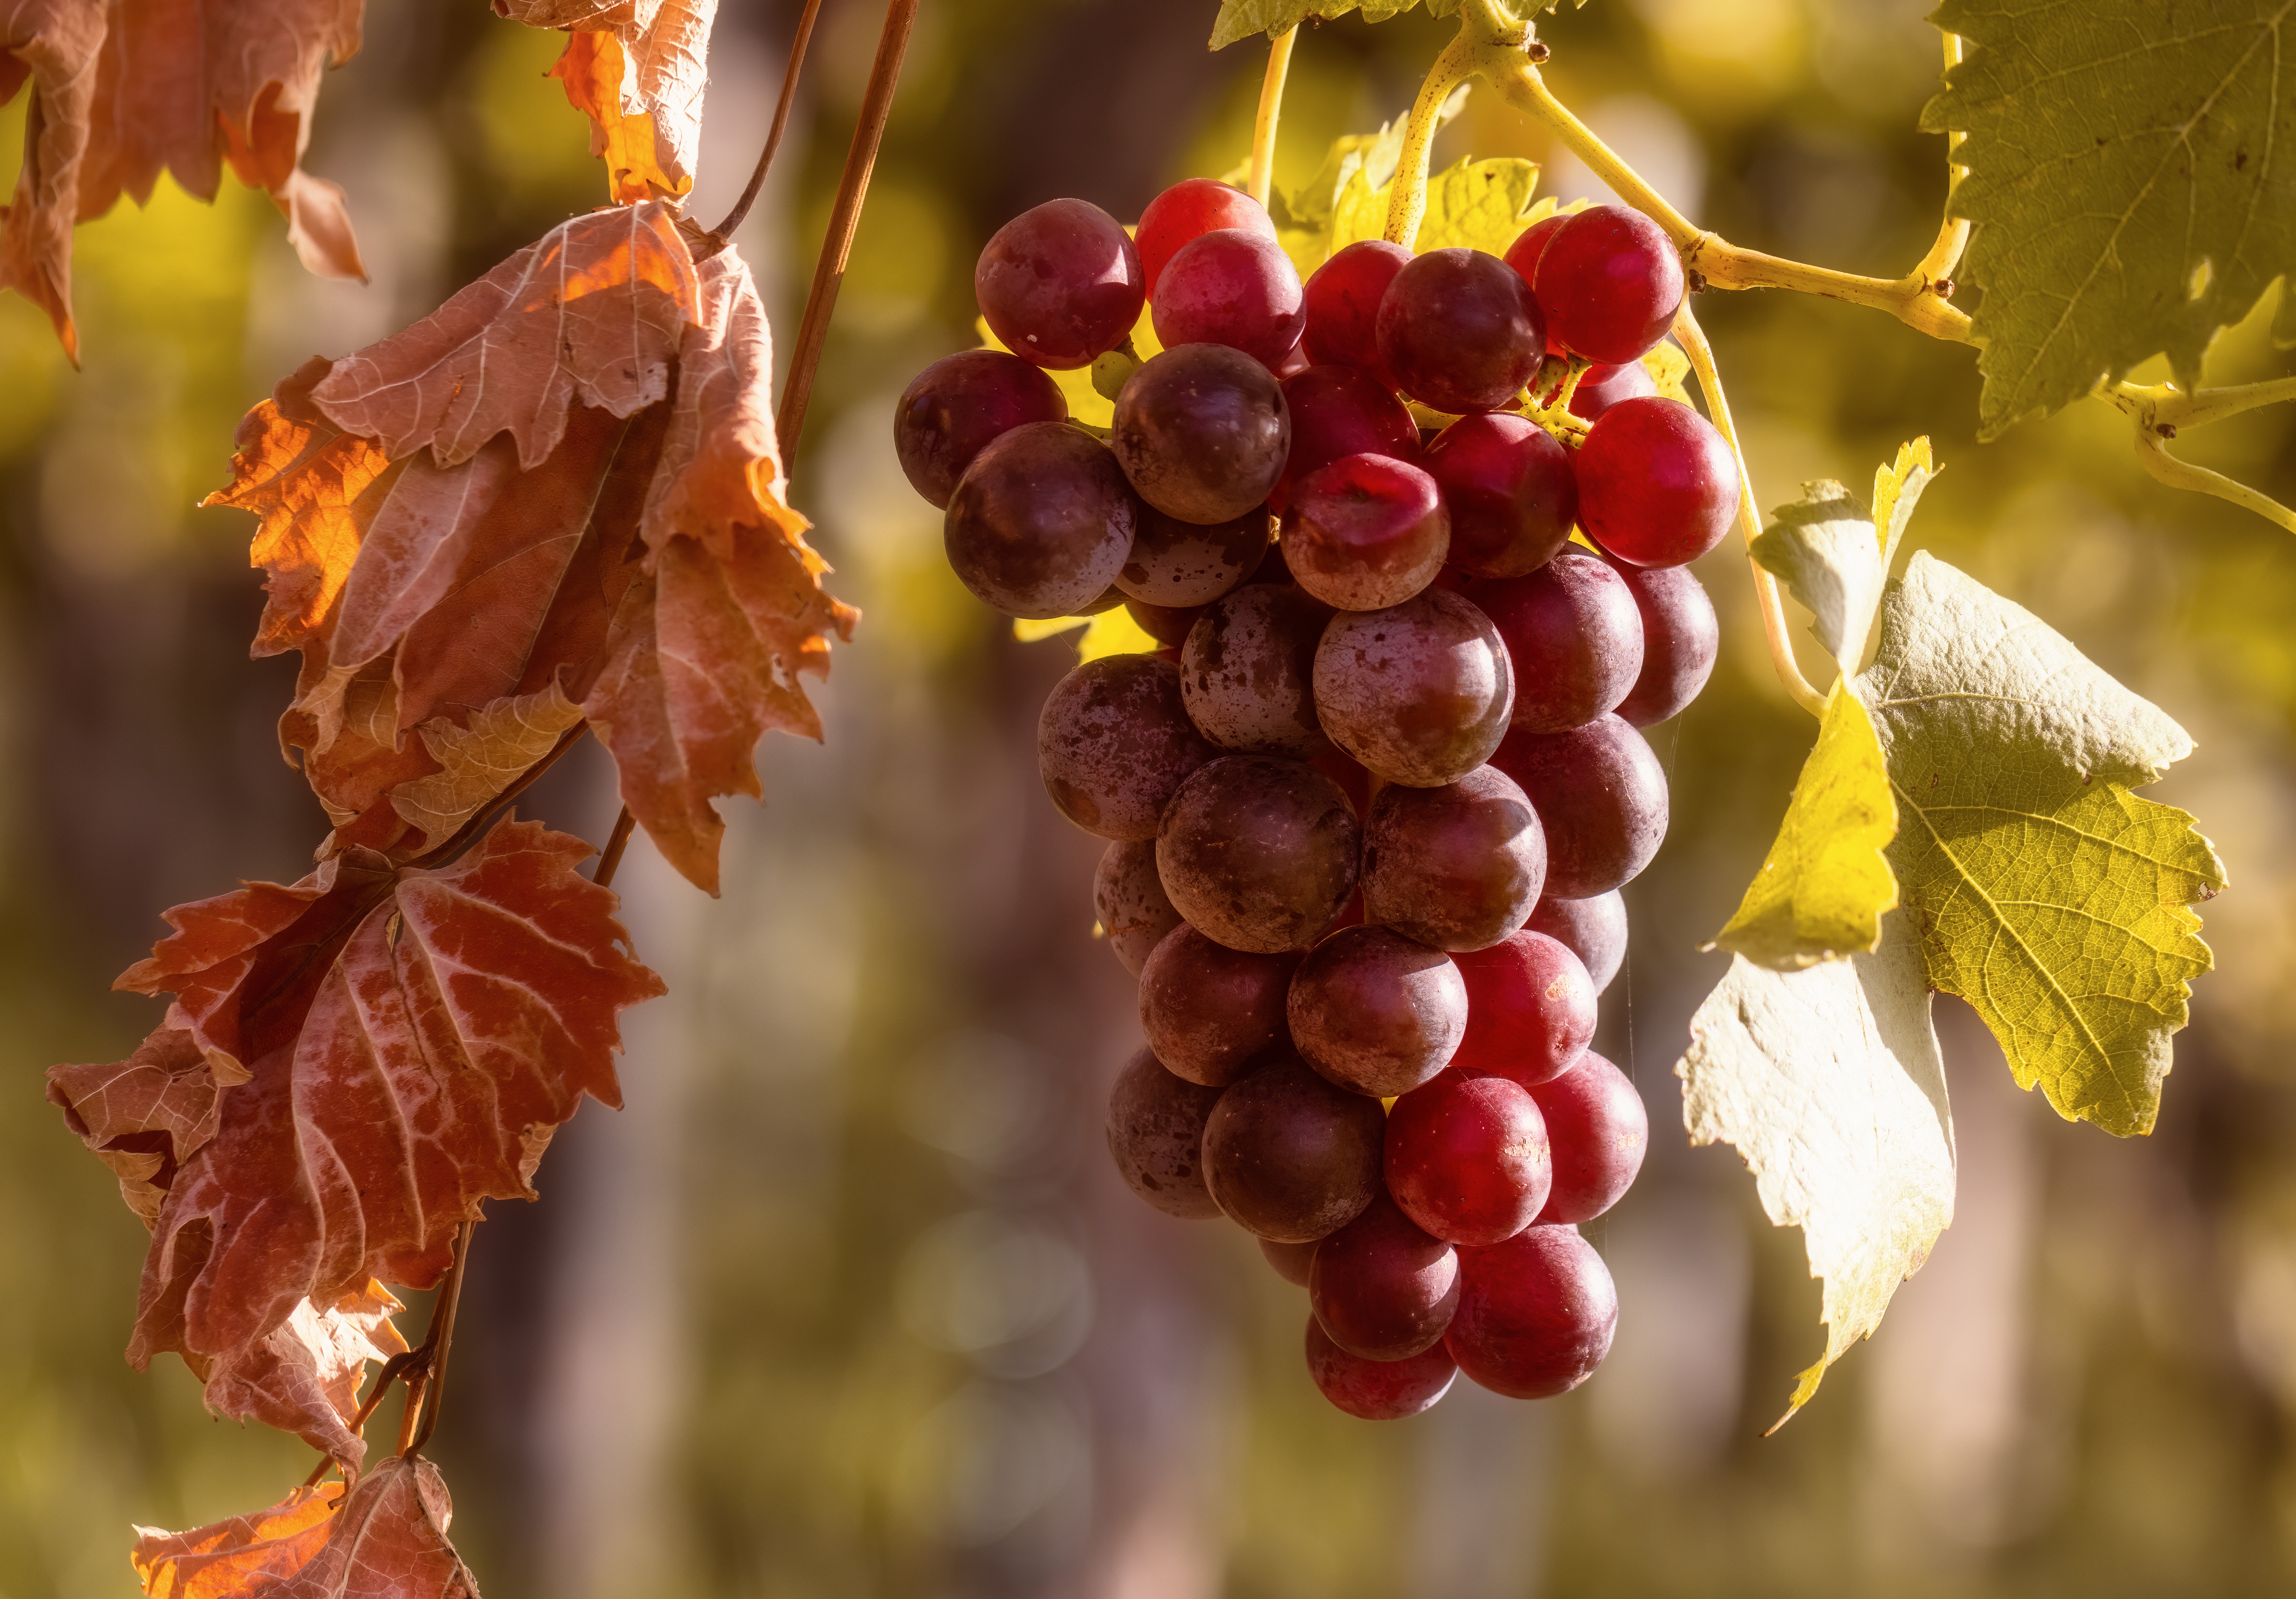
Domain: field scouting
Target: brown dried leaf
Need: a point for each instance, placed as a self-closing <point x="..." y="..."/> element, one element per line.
<point x="479" y="761"/>
<point x="144" y="1116"/>
<point x="233" y="1556"/>
<point x="54" y="44"/>
<point x="304" y="1376"/>
<point x="636" y="69"/>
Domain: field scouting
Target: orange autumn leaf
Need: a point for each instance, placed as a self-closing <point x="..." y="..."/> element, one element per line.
<point x="385" y="1539"/>
<point x="636" y="69"/>
<point x="304" y="1376"/>
<point x="53" y="44"/>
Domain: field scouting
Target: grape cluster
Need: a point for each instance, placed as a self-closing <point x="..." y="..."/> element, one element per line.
<point x="1371" y="805"/>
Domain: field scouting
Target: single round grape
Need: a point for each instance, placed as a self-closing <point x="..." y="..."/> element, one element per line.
<point x="1342" y="299"/>
<point x="1467" y="1158"/>
<point x="1164" y="624"/>
<point x="1248" y="670"/>
<point x="1599" y="1130"/>
<point x="1594" y="929"/>
<point x="1178" y="564"/>
<point x="1291" y="1157"/>
<point x="1230" y="287"/>
<point x="1341" y="411"/>
<point x="1604" y="387"/>
<point x="1530" y="1009"/>
<point x="1419" y="693"/>
<point x="1156" y="1132"/>
<point x="1130" y="901"/>
<point x="1529" y="244"/>
<point x="957" y="407"/>
<point x="1377" y="1390"/>
<point x="1575" y="636"/>
<point x="1657" y="485"/>
<point x="1210" y="1013"/>
<point x="1536" y="1314"/>
<point x="1366" y="532"/>
<point x="1610" y="281"/>
<point x="1376" y="1012"/>
<point x="1188" y="210"/>
<point x="1384" y="1288"/>
<point x="1601" y="795"/>
<point x="1291" y="1261"/>
<point x="1456" y="867"/>
<point x="1510" y="491"/>
<point x="1041" y="522"/>
<point x="1114" y="743"/>
<point x="1459" y="331"/>
<point x="1202" y="431"/>
<point x="1258" y="853"/>
<point x="1681" y="639"/>
<point x="1061" y="283"/>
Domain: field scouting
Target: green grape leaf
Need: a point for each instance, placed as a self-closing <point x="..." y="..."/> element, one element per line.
<point x="1241" y="18"/>
<point x="2127" y="176"/>
<point x="2043" y="891"/>
<point x="1303" y="217"/>
<point x="1830" y="1084"/>
<point x="1825" y="886"/>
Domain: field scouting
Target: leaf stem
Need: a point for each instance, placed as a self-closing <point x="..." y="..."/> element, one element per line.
<point x="2153" y="452"/>
<point x="837" y="245"/>
<point x="724" y="231"/>
<point x="2163" y="405"/>
<point x="1407" y="205"/>
<point x="1271" y="111"/>
<point x="1953" y="232"/>
<point x="1750" y="521"/>
<point x="617" y="842"/>
<point x="432" y="1382"/>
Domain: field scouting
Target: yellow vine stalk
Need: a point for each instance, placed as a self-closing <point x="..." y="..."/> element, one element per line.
<point x="1271" y="110"/>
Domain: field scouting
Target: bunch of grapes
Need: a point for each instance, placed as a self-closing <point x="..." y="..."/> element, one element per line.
<point x="1371" y="805"/>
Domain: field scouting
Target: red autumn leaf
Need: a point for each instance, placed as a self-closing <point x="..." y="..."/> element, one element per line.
<point x="636" y="69"/>
<point x="565" y="478"/>
<point x="124" y="90"/>
<point x="385" y="1539"/>
<point x="413" y="1038"/>
<point x="144" y="1116"/>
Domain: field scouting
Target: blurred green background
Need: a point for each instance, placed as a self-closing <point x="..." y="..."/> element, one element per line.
<point x="847" y="1302"/>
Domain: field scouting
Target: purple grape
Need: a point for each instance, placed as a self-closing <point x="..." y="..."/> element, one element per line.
<point x="1258" y="853"/>
<point x="1456" y="867"/>
<point x="1247" y="668"/>
<point x="1459" y="331"/>
<point x="1574" y="637"/>
<point x="1202" y="431"/>
<point x="1230" y="287"/>
<point x="1419" y="693"/>
<point x="1601" y="795"/>
<point x="958" y="406"/>
<point x="1114" y="743"/>
<point x="1510" y="491"/>
<point x="1041" y="522"/>
<point x="1061" y="283"/>
<point x="1681" y="639"/>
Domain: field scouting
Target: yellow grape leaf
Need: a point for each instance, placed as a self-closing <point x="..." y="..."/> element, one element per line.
<point x="1896" y="490"/>
<point x="1112" y="632"/>
<point x="1822" y="892"/>
<point x="1667" y="365"/>
<point x="1086" y="403"/>
<point x="1829" y="1082"/>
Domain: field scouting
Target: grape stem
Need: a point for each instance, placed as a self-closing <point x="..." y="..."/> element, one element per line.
<point x="1271" y="111"/>
<point x="1406" y="205"/>
<point x="1693" y="338"/>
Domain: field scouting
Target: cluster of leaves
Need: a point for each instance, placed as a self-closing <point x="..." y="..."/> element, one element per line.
<point x="556" y="502"/>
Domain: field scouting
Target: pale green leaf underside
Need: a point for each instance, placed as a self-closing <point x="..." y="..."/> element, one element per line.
<point x="1829" y="1083"/>
<point x="1825" y="550"/>
<point x="1823" y="889"/>
<point x="1241" y="18"/>
<point x="2045" y="893"/>
<point x="2132" y="169"/>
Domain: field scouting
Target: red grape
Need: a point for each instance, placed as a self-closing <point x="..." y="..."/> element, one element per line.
<point x="1601" y="795"/>
<point x="1384" y="1288"/>
<point x="1342" y="299"/>
<point x="1288" y="1156"/>
<point x="1061" y="283"/>
<point x="1258" y="853"/>
<point x="1680" y="641"/>
<point x="1162" y="623"/>
<point x="1202" y="431"/>
<point x="1375" y="1011"/>
<point x="1114" y="743"/>
<point x="1419" y="692"/>
<point x="1187" y="210"/>
<point x="1536" y="1314"/>
<point x="1155" y="1132"/>
<point x="1341" y="411"/>
<point x="1459" y="331"/>
<point x="1510" y="491"/>
<point x="1291" y="1261"/>
<point x="1467" y="1158"/>
<point x="1530" y="1010"/>
<point x="1366" y="532"/>
<point x="1456" y="867"/>
<point x="1610" y="281"/>
<point x="1574" y="637"/>
<point x="1211" y="1013"/>
<point x="960" y="403"/>
<point x="1599" y="1130"/>
<point x="1529" y="244"/>
<point x="1604" y="387"/>
<point x="1377" y="1390"/>
<point x="1657" y="485"/>
<point x="1178" y="564"/>
<point x="1594" y="929"/>
<point x="1247" y="668"/>
<point x="1129" y="898"/>
<point x="1234" y="288"/>
<point x="1041" y="522"/>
